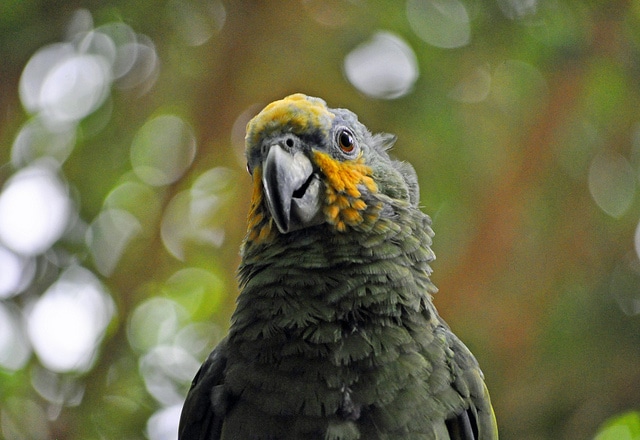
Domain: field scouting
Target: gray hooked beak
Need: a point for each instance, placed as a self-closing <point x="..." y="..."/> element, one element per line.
<point x="292" y="190"/>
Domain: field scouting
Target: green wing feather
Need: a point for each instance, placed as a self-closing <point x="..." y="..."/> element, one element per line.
<point x="205" y="407"/>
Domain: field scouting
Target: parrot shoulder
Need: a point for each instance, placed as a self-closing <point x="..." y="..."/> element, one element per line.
<point x="206" y="403"/>
<point x="477" y="421"/>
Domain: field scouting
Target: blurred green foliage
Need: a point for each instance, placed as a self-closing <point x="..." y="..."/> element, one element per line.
<point x="521" y="118"/>
<point x="622" y="427"/>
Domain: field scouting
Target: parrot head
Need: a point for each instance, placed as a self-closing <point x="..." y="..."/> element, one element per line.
<point x="314" y="165"/>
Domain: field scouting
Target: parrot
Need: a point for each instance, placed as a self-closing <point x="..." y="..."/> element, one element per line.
<point x="334" y="335"/>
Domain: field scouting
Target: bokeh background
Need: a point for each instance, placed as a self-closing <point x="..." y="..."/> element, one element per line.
<point x="123" y="192"/>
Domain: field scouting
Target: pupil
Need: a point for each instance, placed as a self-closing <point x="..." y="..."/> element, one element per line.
<point x="345" y="140"/>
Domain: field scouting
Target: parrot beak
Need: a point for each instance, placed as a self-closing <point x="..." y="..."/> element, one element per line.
<point x="292" y="190"/>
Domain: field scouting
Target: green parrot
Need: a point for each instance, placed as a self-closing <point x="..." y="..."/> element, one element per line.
<point x="335" y="335"/>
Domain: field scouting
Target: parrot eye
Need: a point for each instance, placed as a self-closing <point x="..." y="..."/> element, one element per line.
<point x="346" y="141"/>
